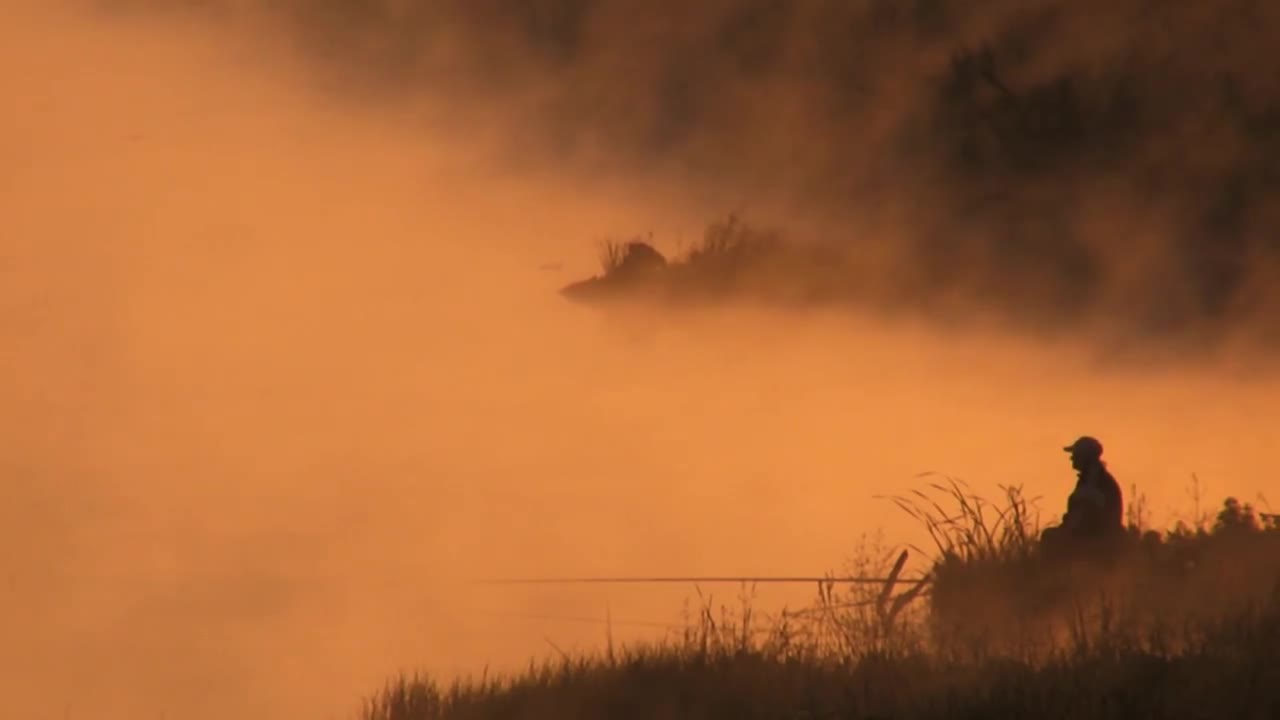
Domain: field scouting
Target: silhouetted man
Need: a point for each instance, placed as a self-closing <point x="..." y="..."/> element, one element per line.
<point x="1095" y="509"/>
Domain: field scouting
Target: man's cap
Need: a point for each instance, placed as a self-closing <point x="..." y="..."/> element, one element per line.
<point x="1085" y="446"/>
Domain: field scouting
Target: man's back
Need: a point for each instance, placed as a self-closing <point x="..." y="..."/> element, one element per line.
<point x="1097" y="504"/>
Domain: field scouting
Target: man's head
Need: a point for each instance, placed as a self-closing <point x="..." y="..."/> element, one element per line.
<point x="1085" y="451"/>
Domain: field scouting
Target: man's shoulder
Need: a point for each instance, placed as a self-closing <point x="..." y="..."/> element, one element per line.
<point x="1105" y="475"/>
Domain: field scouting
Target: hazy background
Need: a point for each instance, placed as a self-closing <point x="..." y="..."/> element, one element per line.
<point x="283" y="364"/>
<point x="1082" y="161"/>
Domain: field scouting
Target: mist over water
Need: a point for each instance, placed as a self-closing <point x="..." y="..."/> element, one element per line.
<point x="1084" y="164"/>
<point x="283" y="367"/>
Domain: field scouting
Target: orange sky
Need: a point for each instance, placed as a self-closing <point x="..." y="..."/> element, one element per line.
<point x="278" y="374"/>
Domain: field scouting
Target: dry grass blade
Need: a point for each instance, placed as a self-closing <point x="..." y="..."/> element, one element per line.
<point x="612" y="254"/>
<point x="887" y="591"/>
<point x="930" y="524"/>
<point x="905" y="598"/>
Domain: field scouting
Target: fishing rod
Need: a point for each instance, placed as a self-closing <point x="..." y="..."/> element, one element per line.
<point x="702" y="580"/>
<point x="894" y="578"/>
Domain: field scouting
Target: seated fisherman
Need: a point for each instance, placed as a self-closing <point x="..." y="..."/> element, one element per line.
<point x="1095" y="509"/>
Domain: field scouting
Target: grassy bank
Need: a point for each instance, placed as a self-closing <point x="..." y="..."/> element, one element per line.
<point x="1180" y="623"/>
<point x="1232" y="675"/>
